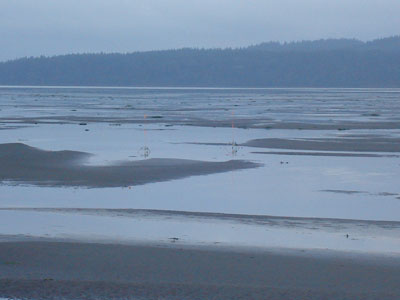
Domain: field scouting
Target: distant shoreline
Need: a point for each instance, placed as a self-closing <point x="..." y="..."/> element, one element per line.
<point x="317" y="64"/>
<point x="189" y="88"/>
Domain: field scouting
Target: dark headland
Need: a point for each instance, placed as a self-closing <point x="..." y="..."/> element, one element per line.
<point x="321" y="63"/>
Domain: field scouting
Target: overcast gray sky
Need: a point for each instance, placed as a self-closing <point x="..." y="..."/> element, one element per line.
<point x="48" y="27"/>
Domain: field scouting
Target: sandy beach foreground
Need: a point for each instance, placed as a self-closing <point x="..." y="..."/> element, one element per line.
<point x="68" y="270"/>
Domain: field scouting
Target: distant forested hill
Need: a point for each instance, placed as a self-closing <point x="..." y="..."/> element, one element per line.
<point x="322" y="63"/>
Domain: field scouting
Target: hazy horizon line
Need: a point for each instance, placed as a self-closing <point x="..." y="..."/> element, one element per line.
<point x="184" y="87"/>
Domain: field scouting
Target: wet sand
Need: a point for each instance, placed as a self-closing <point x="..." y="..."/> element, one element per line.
<point x="330" y="144"/>
<point x="337" y="146"/>
<point x="23" y="164"/>
<point x="333" y="154"/>
<point x="10" y="127"/>
<point x="247" y="123"/>
<point x="271" y="221"/>
<point x="289" y="109"/>
<point x="55" y="270"/>
<point x="49" y="268"/>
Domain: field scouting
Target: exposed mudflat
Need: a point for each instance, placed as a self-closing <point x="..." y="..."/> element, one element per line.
<point x="289" y="109"/>
<point x="329" y="144"/>
<point x="317" y="178"/>
<point x="270" y="221"/>
<point x="24" y="164"/>
<point x="333" y="154"/>
<point x="43" y="270"/>
<point x="214" y="230"/>
<point x="343" y="144"/>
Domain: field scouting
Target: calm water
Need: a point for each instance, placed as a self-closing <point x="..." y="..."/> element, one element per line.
<point x="122" y="122"/>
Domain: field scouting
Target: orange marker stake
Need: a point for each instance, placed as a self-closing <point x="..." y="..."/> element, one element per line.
<point x="233" y="126"/>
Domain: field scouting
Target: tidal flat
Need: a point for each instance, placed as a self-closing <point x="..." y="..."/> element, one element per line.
<point x="296" y="178"/>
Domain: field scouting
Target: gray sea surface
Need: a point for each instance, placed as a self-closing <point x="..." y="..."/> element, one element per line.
<point x="338" y="160"/>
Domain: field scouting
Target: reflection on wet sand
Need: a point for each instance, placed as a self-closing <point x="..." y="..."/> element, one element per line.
<point x="337" y="157"/>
